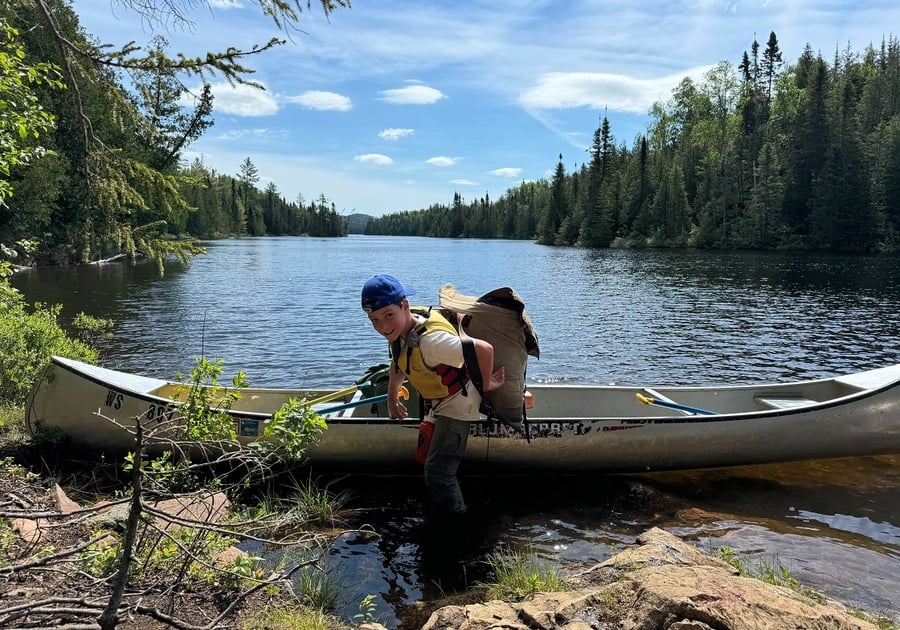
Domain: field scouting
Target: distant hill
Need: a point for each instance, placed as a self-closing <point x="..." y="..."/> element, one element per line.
<point x="356" y="223"/>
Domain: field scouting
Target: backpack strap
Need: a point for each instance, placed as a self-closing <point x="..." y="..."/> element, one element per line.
<point x="471" y="361"/>
<point x="413" y="340"/>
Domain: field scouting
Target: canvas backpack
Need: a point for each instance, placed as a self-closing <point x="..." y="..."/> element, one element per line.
<point x="499" y="318"/>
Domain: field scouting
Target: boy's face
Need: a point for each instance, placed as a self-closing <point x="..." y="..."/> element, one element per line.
<point x="392" y="321"/>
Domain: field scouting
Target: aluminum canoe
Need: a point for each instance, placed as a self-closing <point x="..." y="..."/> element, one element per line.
<point x="571" y="428"/>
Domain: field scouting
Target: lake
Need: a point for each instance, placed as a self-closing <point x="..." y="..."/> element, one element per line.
<point x="286" y="311"/>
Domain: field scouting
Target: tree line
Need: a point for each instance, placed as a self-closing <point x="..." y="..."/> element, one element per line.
<point x="757" y="156"/>
<point x="92" y="161"/>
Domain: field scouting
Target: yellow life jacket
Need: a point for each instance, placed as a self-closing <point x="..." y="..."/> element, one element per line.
<point x="432" y="382"/>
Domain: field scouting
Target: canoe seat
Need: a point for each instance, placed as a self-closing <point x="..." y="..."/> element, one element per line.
<point x="784" y="402"/>
<point x="346" y="413"/>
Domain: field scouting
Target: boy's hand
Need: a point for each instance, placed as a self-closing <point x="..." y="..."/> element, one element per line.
<point x="498" y="377"/>
<point x="397" y="409"/>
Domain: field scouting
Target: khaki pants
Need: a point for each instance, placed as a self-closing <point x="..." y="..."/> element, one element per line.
<point x="448" y="444"/>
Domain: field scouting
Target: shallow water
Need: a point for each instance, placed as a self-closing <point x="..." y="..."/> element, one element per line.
<point x="777" y="515"/>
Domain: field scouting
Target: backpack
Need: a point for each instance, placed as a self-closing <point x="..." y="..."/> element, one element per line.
<point x="499" y="318"/>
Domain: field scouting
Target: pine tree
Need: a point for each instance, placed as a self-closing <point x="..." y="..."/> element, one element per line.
<point x="771" y="64"/>
<point x="552" y="217"/>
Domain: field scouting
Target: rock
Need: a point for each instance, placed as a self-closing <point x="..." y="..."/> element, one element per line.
<point x="209" y="508"/>
<point x="227" y="557"/>
<point x="206" y="508"/>
<point x="110" y="517"/>
<point x="64" y="504"/>
<point x="494" y="614"/>
<point x="27" y="529"/>
<point x="661" y="584"/>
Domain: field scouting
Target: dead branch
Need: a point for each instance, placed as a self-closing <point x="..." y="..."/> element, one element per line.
<point x="46" y="560"/>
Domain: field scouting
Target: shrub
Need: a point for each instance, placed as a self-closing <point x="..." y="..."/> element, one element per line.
<point x="29" y="336"/>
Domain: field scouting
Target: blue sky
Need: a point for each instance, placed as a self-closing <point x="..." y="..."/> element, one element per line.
<point x="397" y="104"/>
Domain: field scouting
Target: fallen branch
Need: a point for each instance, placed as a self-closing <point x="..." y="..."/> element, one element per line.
<point x="46" y="560"/>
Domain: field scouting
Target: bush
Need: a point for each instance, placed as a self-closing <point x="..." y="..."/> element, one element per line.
<point x="28" y="338"/>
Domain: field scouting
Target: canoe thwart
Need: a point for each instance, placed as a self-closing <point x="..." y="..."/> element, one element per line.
<point x="784" y="402"/>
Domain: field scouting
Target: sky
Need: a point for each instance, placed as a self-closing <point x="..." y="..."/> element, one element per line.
<point x="398" y="104"/>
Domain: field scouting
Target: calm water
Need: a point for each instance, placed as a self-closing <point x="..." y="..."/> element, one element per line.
<point x="286" y="312"/>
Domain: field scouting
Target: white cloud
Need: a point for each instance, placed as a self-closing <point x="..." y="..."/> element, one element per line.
<point x="567" y="90"/>
<point x="412" y="95"/>
<point x="395" y="134"/>
<point x="374" y="158"/>
<point x="507" y="171"/>
<point x="317" y="99"/>
<point x="442" y="160"/>
<point x="225" y="4"/>
<point x="463" y="182"/>
<point x="242" y="100"/>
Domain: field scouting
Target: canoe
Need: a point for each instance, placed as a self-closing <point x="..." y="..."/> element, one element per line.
<point x="571" y="428"/>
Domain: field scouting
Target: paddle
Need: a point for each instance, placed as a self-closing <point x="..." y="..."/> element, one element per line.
<point x="647" y="400"/>
<point x="404" y="394"/>
<point x="338" y="394"/>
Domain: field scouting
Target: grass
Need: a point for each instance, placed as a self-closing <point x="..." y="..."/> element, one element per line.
<point x="293" y="617"/>
<point x="519" y="574"/>
<point x="320" y="588"/>
<point x="770" y="571"/>
<point x="311" y="504"/>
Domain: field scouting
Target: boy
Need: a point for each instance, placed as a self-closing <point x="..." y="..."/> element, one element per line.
<point x="428" y="352"/>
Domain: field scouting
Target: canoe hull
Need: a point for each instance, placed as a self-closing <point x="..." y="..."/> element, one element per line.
<point x="572" y="429"/>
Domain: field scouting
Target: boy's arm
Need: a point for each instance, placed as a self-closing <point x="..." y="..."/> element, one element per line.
<point x="396" y="409"/>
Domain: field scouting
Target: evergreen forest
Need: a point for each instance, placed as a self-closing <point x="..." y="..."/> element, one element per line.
<point x="765" y="155"/>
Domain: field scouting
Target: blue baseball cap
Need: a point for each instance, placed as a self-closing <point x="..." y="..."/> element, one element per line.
<point x="383" y="290"/>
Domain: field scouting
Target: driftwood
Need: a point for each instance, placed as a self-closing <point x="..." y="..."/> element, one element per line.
<point x="103" y="261"/>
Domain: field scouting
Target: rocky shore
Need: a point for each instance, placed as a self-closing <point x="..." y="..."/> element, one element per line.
<point x="662" y="583"/>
